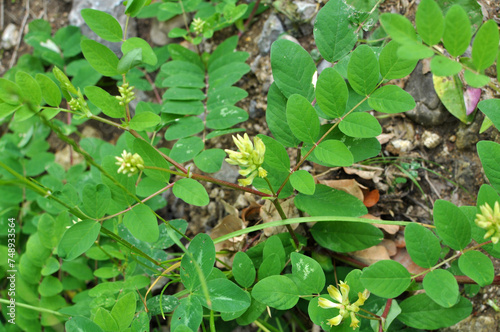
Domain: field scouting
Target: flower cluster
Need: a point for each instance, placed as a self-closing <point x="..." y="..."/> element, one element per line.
<point x="346" y="309"/>
<point x="250" y="156"/>
<point x="129" y="163"/>
<point x="126" y="94"/>
<point x="198" y="25"/>
<point x="489" y="219"/>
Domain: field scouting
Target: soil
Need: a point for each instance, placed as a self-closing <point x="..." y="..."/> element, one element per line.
<point x="450" y="170"/>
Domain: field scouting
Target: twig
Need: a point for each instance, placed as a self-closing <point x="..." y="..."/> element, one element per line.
<point x="252" y="14"/>
<point x="23" y="25"/>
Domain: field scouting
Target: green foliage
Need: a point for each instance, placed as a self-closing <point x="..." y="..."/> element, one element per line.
<point x="94" y="235"/>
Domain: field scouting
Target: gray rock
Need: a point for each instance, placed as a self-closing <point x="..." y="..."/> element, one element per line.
<point x="112" y="7"/>
<point x="468" y="135"/>
<point x="159" y="30"/>
<point x="270" y="32"/>
<point x="472" y="323"/>
<point x="429" y="110"/>
<point x="227" y="173"/>
<point x="10" y="37"/>
<point x="305" y="10"/>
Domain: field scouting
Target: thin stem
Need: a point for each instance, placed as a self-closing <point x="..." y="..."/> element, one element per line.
<point x="40" y="309"/>
<point x="250" y="18"/>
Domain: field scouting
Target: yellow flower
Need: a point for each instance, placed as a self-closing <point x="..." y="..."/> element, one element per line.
<point x="346" y="309"/>
<point x="129" y="163"/>
<point x="489" y="219"/>
<point x="250" y="157"/>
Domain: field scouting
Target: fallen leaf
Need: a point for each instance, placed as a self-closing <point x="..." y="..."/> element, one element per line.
<point x="367" y="175"/>
<point x="268" y="213"/>
<point x="371" y="255"/>
<point x="350" y="186"/>
<point x="404" y="259"/>
<point x="371" y="198"/>
<point x="228" y="224"/>
<point x="390" y="246"/>
<point x="384" y="138"/>
<point x="390" y="229"/>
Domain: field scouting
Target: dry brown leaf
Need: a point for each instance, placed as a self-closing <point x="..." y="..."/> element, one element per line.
<point x="384" y="138"/>
<point x="268" y="213"/>
<point x="367" y="175"/>
<point x="350" y="186"/>
<point x="390" y="246"/>
<point x="404" y="258"/>
<point x="228" y="224"/>
<point x="391" y="229"/>
<point x="371" y="197"/>
<point x="371" y="255"/>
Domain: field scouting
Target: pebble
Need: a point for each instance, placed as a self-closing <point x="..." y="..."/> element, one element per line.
<point x="10" y="36"/>
<point x="159" y="30"/>
<point x="272" y="29"/>
<point x="430" y="139"/>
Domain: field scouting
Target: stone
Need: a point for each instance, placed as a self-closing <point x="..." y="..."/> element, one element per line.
<point x="430" y="139"/>
<point x="228" y="173"/>
<point x="112" y="7"/>
<point x="272" y="29"/>
<point x="306" y="10"/>
<point x="10" y="37"/>
<point x="429" y="110"/>
<point x="468" y="135"/>
<point x="159" y="30"/>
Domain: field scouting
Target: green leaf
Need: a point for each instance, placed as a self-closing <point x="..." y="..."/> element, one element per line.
<point x="327" y="201"/>
<point x="277" y="292"/>
<point x="124" y="310"/>
<point x="225" y="296"/>
<point x="343" y="236"/>
<point x="391" y="65"/>
<point x="187" y="316"/>
<point x="457" y="31"/>
<point x="452" y="225"/>
<point x="30" y="91"/>
<point x="271" y="265"/>
<point x="100" y="57"/>
<point x="387" y="279"/>
<point x="183" y="107"/>
<point x="201" y="251"/>
<point x="398" y="27"/>
<point x="243" y="269"/>
<point x="422" y="245"/>
<point x="159" y="302"/>
<point x="225" y="116"/>
<point x="186" y="149"/>
<point x="134" y="7"/>
<point x="331" y="93"/>
<point x="303" y="182"/>
<point x="443" y="66"/>
<point x="104" y="319"/>
<point x="78" y="238"/>
<point x="334" y="33"/>
<point x="276" y="156"/>
<point x="96" y="200"/>
<point x="302" y="118"/>
<point x="50" y="91"/>
<point x="50" y="230"/>
<point x="477" y="266"/>
<point x="307" y="274"/>
<point x="184" y="127"/>
<point x="293" y="69"/>
<point x="391" y="99"/>
<point x="489" y="153"/>
<point x="191" y="192"/>
<point x="10" y="92"/>
<point x="152" y="157"/>
<point x="476" y="80"/>
<point x="80" y="323"/>
<point x="148" y="55"/>
<point x="183" y="94"/>
<point x="103" y="24"/>
<point x="129" y="61"/>
<point x="144" y="120"/>
<point x="142" y="223"/>
<point x="107" y="103"/>
<point x="441" y="286"/>
<point x="485" y="45"/>
<point x="414" y="51"/>
<point x="210" y="161"/>
<point x="50" y="286"/>
<point x="450" y="92"/>
<point x="360" y="124"/>
<point x="276" y="117"/>
<point x="490" y="108"/>
<point x="421" y="312"/>
<point x="430" y="22"/>
<point x="334" y="152"/>
<point x="363" y="70"/>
